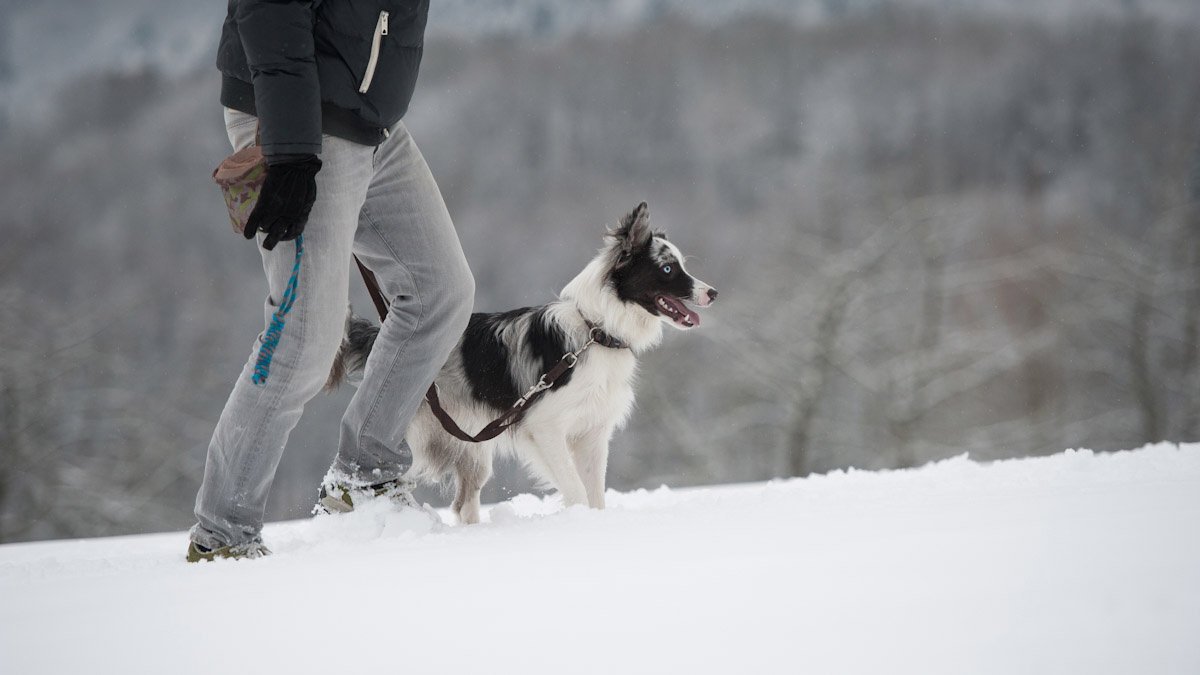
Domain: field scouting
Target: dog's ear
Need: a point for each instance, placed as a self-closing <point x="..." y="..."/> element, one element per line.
<point x="633" y="233"/>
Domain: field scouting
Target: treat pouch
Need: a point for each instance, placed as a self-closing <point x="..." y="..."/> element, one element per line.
<point x="240" y="177"/>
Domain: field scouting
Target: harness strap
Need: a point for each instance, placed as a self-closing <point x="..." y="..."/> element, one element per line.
<point x="603" y="339"/>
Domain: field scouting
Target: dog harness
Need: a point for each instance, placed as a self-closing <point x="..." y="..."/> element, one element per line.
<point x="515" y="412"/>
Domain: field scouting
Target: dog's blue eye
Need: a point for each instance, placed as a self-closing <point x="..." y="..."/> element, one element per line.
<point x="666" y="269"/>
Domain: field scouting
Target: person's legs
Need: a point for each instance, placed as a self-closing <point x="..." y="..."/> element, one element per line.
<point x="406" y="237"/>
<point x="254" y="426"/>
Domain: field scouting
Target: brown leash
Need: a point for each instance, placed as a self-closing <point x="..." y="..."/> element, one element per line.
<point x="372" y="288"/>
<point x="515" y="412"/>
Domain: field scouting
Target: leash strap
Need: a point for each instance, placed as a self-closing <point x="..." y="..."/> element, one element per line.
<point x="372" y="285"/>
<point x="262" y="367"/>
<point x="517" y="410"/>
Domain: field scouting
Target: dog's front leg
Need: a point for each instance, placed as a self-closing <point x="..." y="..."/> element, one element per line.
<point x="591" y="459"/>
<point x="546" y="451"/>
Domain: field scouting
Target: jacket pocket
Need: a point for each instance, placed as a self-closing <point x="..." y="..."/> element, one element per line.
<point x="381" y="31"/>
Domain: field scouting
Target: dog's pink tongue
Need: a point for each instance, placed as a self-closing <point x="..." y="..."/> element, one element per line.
<point x="689" y="318"/>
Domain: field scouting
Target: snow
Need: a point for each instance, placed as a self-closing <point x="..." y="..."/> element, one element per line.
<point x="1074" y="563"/>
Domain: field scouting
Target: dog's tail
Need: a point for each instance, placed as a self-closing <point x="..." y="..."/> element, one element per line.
<point x="352" y="355"/>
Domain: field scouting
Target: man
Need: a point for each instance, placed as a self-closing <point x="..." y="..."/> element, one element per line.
<point x="325" y="84"/>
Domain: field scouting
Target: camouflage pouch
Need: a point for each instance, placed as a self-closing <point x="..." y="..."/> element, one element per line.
<point x="240" y="177"/>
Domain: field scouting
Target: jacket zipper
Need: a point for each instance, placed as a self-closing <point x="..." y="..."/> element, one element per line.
<point x="381" y="29"/>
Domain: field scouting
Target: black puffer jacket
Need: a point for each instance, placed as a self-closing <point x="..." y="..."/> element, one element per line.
<point x="345" y="67"/>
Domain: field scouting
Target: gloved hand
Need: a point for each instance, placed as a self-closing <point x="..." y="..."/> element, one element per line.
<point x="285" y="200"/>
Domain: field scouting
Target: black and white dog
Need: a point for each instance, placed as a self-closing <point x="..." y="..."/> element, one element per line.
<point x="633" y="286"/>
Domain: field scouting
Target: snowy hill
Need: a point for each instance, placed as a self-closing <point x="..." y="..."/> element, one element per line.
<point x="1076" y="563"/>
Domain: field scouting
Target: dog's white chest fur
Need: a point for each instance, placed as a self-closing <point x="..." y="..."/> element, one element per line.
<point x="598" y="397"/>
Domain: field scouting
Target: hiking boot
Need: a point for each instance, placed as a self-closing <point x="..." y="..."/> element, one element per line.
<point x="254" y="549"/>
<point x="338" y="497"/>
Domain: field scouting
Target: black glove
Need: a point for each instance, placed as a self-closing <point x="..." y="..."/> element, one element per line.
<point x="286" y="198"/>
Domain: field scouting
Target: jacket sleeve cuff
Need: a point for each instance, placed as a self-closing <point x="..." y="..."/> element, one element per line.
<point x="283" y="152"/>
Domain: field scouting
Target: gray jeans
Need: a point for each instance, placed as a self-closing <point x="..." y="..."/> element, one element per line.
<point x="383" y="205"/>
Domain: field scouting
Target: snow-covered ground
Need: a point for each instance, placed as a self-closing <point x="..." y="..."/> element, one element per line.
<point x="1076" y="563"/>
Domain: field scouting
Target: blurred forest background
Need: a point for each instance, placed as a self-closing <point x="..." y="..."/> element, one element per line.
<point x="938" y="227"/>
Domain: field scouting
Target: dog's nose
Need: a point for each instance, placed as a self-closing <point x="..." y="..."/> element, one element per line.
<point x="712" y="294"/>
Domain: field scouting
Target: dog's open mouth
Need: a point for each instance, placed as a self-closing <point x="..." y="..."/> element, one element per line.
<point x="676" y="311"/>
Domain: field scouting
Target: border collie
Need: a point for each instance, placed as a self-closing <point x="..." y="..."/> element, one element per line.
<point x="634" y="285"/>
